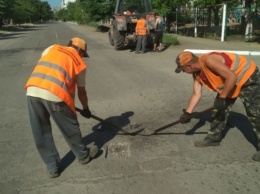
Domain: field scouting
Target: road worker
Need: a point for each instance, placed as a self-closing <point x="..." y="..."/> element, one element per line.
<point x="159" y="26"/>
<point x="141" y="31"/>
<point x="231" y="76"/>
<point x="51" y="93"/>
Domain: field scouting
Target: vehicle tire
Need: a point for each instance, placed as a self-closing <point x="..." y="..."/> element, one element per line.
<point x="111" y="41"/>
<point x="118" y="40"/>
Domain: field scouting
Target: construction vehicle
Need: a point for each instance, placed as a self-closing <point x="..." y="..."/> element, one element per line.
<point x="125" y="16"/>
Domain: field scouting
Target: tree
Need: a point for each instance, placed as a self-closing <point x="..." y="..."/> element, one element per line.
<point x="2" y="8"/>
<point x="215" y="6"/>
<point x="63" y="14"/>
<point x="99" y="9"/>
<point x="167" y="8"/>
<point x="84" y="11"/>
<point x="46" y="12"/>
<point x="21" y="11"/>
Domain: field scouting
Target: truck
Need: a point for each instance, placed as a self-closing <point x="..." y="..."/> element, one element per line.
<point x="122" y="29"/>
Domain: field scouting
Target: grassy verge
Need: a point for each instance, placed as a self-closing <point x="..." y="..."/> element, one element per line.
<point x="9" y="28"/>
<point x="170" y="39"/>
<point x="93" y="24"/>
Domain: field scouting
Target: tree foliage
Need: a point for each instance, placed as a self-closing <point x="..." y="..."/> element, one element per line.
<point x="84" y="11"/>
<point x="168" y="8"/>
<point x="21" y="11"/>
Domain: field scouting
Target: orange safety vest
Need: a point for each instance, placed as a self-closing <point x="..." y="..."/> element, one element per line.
<point x="56" y="73"/>
<point x="240" y="66"/>
<point x="140" y="28"/>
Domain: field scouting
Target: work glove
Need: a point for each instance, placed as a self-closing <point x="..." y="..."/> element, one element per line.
<point x="220" y="103"/>
<point x="185" y="118"/>
<point x="86" y="113"/>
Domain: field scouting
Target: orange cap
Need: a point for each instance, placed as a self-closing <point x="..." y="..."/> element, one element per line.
<point x="80" y="43"/>
<point x="183" y="59"/>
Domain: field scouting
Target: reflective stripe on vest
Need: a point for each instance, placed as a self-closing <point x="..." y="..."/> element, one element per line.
<point x="54" y="80"/>
<point x="234" y="68"/>
<point x="56" y="72"/>
<point x="57" y="67"/>
<point x="240" y="66"/>
<point x="140" y="27"/>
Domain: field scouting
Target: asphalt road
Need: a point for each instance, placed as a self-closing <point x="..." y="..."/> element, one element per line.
<point x="134" y="92"/>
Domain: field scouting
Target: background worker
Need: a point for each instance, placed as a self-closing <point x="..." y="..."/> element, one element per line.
<point x="141" y="31"/>
<point x="231" y="76"/>
<point x="159" y="25"/>
<point x="51" y="92"/>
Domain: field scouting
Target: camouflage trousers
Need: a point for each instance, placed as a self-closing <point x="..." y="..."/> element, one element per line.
<point x="250" y="96"/>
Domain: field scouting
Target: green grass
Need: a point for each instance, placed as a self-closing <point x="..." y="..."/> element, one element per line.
<point x="170" y="40"/>
<point x="93" y="24"/>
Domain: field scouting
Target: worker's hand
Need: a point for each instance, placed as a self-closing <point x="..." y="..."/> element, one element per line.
<point x="185" y="118"/>
<point x="220" y="103"/>
<point x="86" y="113"/>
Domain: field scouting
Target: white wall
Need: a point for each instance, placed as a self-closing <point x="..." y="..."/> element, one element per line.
<point x="64" y="3"/>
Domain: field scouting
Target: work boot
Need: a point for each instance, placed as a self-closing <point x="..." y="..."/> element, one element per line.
<point x="256" y="156"/>
<point x="93" y="150"/>
<point x="54" y="174"/>
<point x="207" y="142"/>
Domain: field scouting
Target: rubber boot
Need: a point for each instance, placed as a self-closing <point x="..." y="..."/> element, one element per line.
<point x="256" y="156"/>
<point x="207" y="141"/>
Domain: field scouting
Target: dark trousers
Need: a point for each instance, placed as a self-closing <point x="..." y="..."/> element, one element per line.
<point x="40" y="111"/>
<point x="250" y="96"/>
<point x="141" y="43"/>
<point x="158" y="37"/>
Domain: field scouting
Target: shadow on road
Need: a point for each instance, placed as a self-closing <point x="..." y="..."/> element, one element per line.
<point x="147" y="50"/>
<point x="100" y="136"/>
<point x="102" y="28"/>
<point x="235" y="120"/>
<point x="11" y="36"/>
<point x="11" y="32"/>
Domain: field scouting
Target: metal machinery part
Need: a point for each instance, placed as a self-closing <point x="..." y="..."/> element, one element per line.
<point x="126" y="14"/>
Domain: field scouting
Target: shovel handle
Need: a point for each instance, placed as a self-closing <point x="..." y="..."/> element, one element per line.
<point x="103" y="121"/>
<point x="178" y="121"/>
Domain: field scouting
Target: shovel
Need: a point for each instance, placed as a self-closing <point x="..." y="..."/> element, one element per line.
<point x="194" y="115"/>
<point x="111" y="124"/>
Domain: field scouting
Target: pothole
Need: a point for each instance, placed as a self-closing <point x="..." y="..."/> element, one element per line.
<point x="121" y="150"/>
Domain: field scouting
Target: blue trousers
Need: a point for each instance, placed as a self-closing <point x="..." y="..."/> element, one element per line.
<point x="141" y="43"/>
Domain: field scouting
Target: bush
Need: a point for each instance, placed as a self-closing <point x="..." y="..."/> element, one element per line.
<point x="92" y="24"/>
<point x="170" y="40"/>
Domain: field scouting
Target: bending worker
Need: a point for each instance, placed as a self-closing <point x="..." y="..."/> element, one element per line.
<point x="159" y="25"/>
<point x="231" y="76"/>
<point x="51" y="92"/>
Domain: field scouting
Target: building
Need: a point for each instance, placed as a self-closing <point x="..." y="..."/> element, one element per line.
<point x="64" y="3"/>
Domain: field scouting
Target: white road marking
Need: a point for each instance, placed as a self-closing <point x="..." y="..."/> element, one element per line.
<point x="57" y="37"/>
<point x="199" y="51"/>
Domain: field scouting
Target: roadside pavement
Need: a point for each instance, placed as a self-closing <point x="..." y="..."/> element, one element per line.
<point x="211" y="44"/>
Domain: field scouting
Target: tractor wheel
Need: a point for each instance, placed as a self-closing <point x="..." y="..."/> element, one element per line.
<point x="111" y="41"/>
<point x="118" y="40"/>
